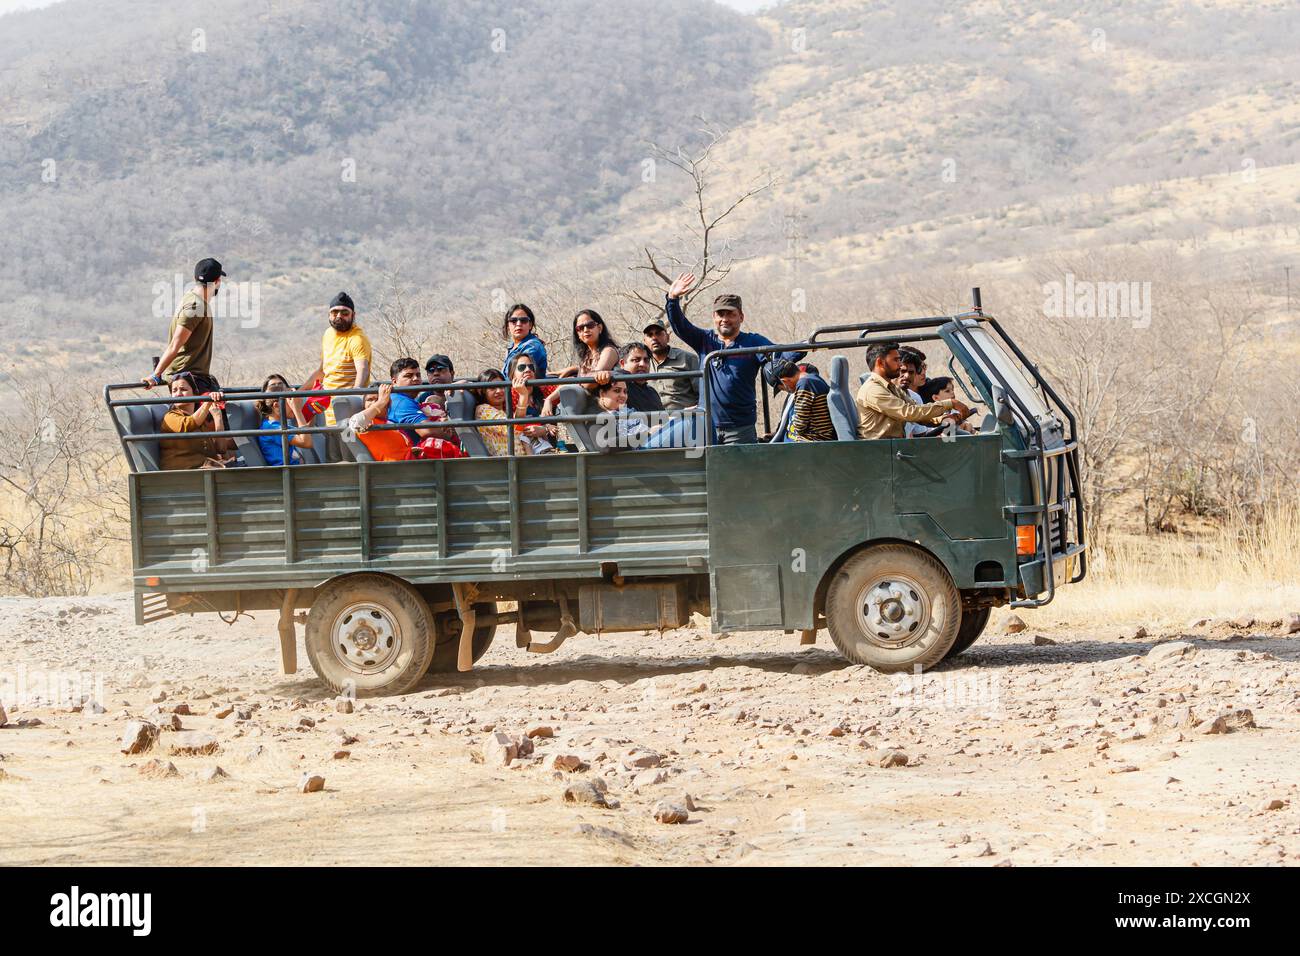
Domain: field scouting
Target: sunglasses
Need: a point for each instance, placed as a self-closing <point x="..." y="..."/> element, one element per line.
<point x="525" y="368"/>
<point x="585" y="327"/>
<point x="520" y="320"/>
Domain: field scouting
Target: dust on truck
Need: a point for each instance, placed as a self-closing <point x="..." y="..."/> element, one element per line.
<point x="898" y="547"/>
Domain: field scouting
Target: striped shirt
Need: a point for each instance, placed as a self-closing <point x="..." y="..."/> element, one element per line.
<point x="811" y="419"/>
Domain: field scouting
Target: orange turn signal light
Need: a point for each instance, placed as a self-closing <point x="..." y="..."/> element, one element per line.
<point x="152" y="582"/>
<point x="1026" y="539"/>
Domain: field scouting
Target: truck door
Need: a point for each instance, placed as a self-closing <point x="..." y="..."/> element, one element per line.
<point x="956" y="482"/>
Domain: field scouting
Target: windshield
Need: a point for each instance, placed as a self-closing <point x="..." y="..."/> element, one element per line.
<point x="1006" y="367"/>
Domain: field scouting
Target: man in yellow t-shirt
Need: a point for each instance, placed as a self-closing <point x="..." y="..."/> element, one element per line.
<point x="345" y="361"/>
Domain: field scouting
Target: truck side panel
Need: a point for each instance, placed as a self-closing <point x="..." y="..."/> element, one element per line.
<point x="781" y="515"/>
<point x="429" y="522"/>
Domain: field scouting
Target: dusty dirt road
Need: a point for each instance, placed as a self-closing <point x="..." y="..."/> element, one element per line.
<point x="1085" y="751"/>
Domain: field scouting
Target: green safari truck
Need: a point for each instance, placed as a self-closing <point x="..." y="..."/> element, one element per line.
<point x="898" y="547"/>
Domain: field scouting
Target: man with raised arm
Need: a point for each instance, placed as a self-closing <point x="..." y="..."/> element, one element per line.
<point x="731" y="381"/>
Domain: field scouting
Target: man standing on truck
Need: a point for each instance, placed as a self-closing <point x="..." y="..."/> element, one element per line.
<point x="731" y="381"/>
<point x="189" y="340"/>
<point x="345" y="362"/>
<point x="884" y="408"/>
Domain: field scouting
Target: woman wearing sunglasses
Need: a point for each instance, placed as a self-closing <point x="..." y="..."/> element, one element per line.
<point x="189" y="417"/>
<point x="595" y="348"/>
<point x="519" y="328"/>
<point x="529" y="400"/>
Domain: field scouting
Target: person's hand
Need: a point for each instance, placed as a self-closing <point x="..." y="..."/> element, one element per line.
<point x="602" y="378"/>
<point x="681" y="285"/>
<point x="218" y="400"/>
<point x="960" y="407"/>
<point x="150" y="381"/>
<point x="385" y="394"/>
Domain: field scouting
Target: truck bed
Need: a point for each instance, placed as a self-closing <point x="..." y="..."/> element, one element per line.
<point x="427" y="521"/>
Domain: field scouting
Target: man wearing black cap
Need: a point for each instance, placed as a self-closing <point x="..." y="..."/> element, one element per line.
<point x="731" y="381"/>
<point x="345" y="360"/>
<point x="189" y="339"/>
<point x="677" y="393"/>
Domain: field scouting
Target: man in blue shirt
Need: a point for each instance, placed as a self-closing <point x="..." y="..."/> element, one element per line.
<point x="403" y="408"/>
<point x="731" y="381"/>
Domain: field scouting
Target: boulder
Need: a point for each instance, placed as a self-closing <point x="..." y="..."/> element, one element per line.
<point x="138" y="737"/>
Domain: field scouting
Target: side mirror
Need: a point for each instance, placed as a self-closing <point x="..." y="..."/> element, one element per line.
<point x="1001" y="407"/>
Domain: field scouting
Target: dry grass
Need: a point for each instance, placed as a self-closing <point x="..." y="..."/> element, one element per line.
<point x="1166" y="580"/>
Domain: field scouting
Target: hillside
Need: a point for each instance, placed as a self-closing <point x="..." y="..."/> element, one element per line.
<point x="321" y="140"/>
<point x="498" y="150"/>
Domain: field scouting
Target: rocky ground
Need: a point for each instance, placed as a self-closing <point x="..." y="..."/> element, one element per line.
<point x="1042" y="747"/>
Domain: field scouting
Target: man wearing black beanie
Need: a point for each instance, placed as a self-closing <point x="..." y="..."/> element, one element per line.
<point x="345" y="360"/>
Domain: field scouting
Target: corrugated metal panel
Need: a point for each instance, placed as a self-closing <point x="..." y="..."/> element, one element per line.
<point x="250" y="509"/>
<point x="403" y="511"/>
<point x="647" y="498"/>
<point x="328" y="514"/>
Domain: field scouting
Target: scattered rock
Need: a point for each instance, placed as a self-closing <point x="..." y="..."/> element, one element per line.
<point x="159" y="769"/>
<point x="890" y="758"/>
<point x="212" y="774"/>
<point x="1041" y="641"/>
<point x="342" y="754"/>
<point x="344" y="705"/>
<point x="224" y="713"/>
<point x="91" y="706"/>
<point x="4" y="718"/>
<point x="1292" y="623"/>
<point x="1141" y="634"/>
<point x="603" y="833"/>
<point x="311" y="783"/>
<point x="1013" y="624"/>
<point x="1274" y="804"/>
<point x="1228" y="721"/>
<point x="139" y="736"/>
<point x="499" y="749"/>
<point x="540" y="730"/>
<point x="182" y="709"/>
<point x="648" y="778"/>
<point x="565" y="762"/>
<point x="641" y="759"/>
<point x="667" y="812"/>
<point x="194" y="743"/>
<point x="585" y="792"/>
<point x="1171" y="651"/>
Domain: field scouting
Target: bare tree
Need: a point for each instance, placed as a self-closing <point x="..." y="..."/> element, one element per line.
<point x="62" y="494"/>
<point x="702" y="246"/>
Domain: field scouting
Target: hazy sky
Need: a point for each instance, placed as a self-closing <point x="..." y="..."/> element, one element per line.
<point x="745" y="6"/>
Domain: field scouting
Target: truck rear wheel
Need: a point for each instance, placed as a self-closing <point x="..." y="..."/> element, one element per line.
<point x="447" y="630"/>
<point x="370" y="633"/>
<point x="973" y="622"/>
<point x="893" y="608"/>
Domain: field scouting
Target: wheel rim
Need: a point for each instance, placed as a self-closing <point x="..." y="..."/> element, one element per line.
<point x="366" y="638"/>
<point x="893" y="611"/>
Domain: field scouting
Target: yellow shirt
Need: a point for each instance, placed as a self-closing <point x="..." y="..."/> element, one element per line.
<point x="340" y="355"/>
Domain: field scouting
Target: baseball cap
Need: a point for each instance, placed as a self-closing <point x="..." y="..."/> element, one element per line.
<point x="439" y="361"/>
<point x="727" y="302"/>
<point x="659" y="323"/>
<point x="208" y="270"/>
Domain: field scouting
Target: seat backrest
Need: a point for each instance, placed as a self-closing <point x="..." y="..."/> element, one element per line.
<point x="319" y="440"/>
<point x="460" y="407"/>
<point x="576" y="400"/>
<point x="844" y="411"/>
<point x="345" y="406"/>
<point x="142" y="420"/>
<point x="787" y="410"/>
<point x="244" y="416"/>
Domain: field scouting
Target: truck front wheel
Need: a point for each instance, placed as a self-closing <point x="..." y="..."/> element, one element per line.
<point x="972" y="626"/>
<point x="370" y="634"/>
<point x="893" y="608"/>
